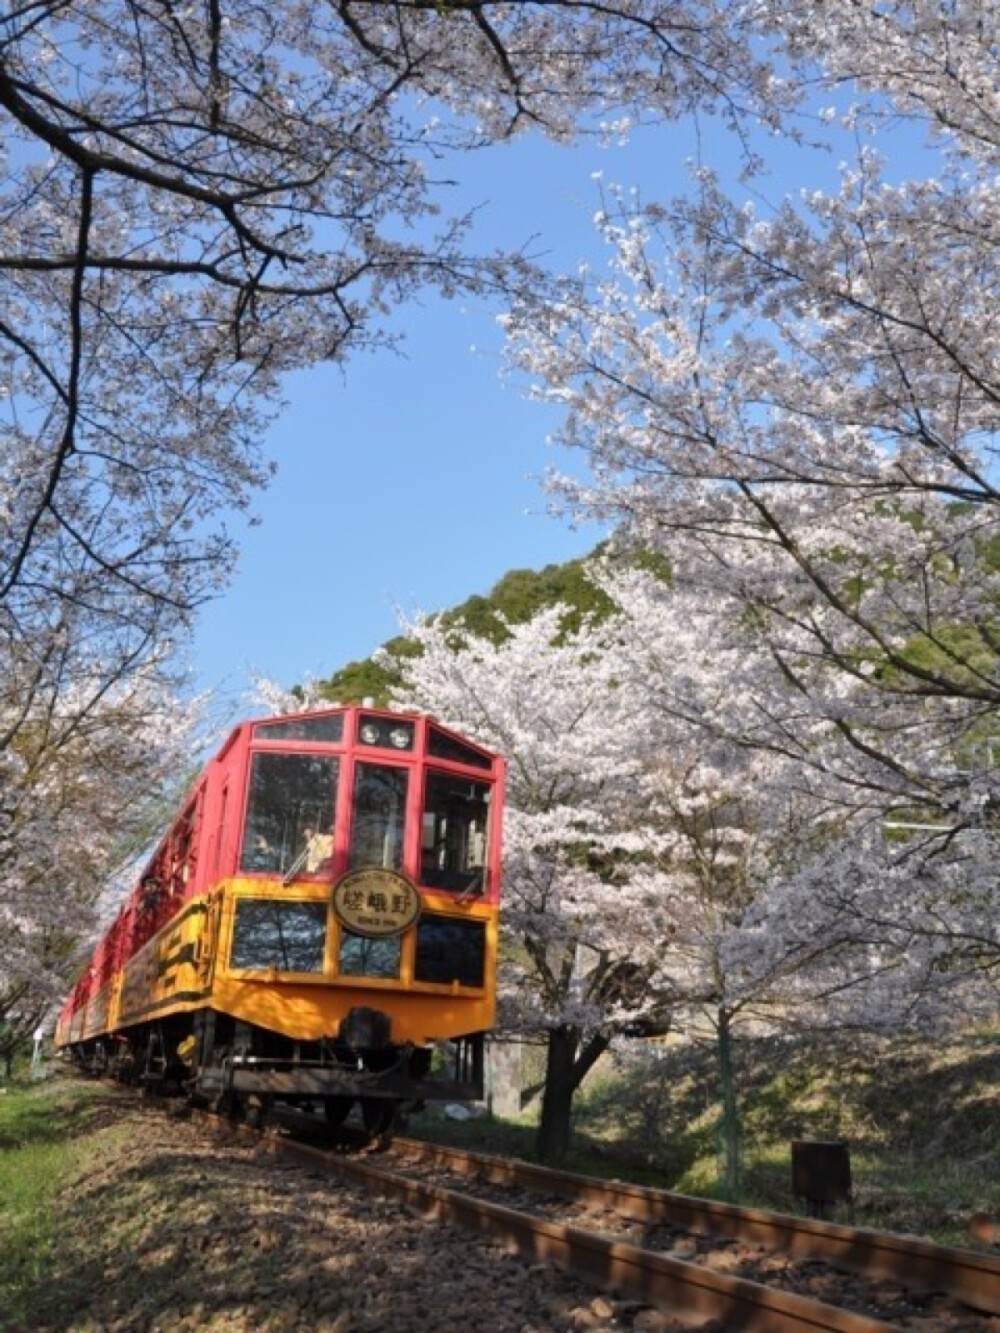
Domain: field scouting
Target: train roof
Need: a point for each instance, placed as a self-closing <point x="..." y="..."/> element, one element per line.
<point x="276" y="719"/>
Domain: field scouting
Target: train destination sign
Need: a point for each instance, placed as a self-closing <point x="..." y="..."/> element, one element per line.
<point x="375" y="902"/>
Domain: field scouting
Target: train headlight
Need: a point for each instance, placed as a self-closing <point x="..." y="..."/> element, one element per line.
<point x="400" y="737"/>
<point x="369" y="733"/>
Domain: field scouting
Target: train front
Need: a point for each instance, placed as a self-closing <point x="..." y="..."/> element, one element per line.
<point x="352" y="921"/>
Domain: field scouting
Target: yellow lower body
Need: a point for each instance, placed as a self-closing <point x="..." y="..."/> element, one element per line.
<point x="184" y="968"/>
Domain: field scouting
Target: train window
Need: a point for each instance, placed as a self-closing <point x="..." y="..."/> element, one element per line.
<point x="379" y="816"/>
<point x="184" y="850"/>
<point x="442" y="746"/>
<point x="290" y="813"/>
<point x="453" y="833"/>
<point x="390" y="732"/>
<point x="288" y="936"/>
<point x="362" y="957"/>
<point x="328" y="728"/>
<point x="450" y="950"/>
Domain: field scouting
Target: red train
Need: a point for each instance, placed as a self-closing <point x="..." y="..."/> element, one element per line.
<point x="320" y="917"/>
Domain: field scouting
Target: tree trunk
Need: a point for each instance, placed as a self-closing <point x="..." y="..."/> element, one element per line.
<point x="552" y="1142"/>
<point x="566" y="1066"/>
<point x="730" y="1127"/>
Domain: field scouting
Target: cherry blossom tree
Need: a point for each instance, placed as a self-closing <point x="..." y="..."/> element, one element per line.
<point x="196" y="200"/>
<point x="640" y="829"/>
<point x="21" y="1012"/>
<point x="665" y="866"/>
<point x="857" y="938"/>
<point x="797" y="408"/>
<point x="82" y="794"/>
<point x="791" y="909"/>
<point x="719" y="818"/>
<point x="581" y="960"/>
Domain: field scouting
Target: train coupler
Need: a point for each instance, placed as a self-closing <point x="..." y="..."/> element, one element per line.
<point x="366" y="1029"/>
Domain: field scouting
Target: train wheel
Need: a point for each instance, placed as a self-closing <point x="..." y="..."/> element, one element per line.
<point x="258" y="1111"/>
<point x="337" y="1109"/>
<point x="378" y="1114"/>
<point x="228" y="1105"/>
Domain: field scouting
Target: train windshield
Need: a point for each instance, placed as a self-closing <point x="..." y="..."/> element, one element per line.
<point x="453" y="833"/>
<point x="327" y="728"/>
<point x="379" y="816"/>
<point x="289" y="825"/>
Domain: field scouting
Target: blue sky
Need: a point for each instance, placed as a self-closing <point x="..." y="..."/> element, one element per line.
<point x="406" y="481"/>
<point x="413" y="481"/>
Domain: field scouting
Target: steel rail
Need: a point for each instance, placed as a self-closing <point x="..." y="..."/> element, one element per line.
<point x="966" y="1275"/>
<point x="683" y="1289"/>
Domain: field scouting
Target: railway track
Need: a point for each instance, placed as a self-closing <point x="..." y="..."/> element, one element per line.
<point x="746" y="1269"/>
<point x="967" y="1276"/>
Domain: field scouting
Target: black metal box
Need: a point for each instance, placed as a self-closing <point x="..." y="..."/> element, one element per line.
<point x="821" y="1171"/>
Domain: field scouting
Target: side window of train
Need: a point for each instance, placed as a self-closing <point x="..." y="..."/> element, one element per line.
<point x="183" y="851"/>
<point x="218" y="834"/>
<point x="292" y="800"/>
<point x="453" y="833"/>
<point x="379" y="816"/>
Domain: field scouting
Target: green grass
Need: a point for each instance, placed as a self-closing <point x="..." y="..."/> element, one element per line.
<point x="44" y="1131"/>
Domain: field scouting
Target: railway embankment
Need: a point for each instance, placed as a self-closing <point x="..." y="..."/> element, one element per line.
<point x="152" y="1225"/>
<point x="121" y="1215"/>
<point x="919" y="1115"/>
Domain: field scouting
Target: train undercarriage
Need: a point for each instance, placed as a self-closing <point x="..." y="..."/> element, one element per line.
<point x="248" y="1072"/>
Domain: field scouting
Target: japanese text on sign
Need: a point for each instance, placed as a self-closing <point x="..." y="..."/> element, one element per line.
<point x="373" y="901"/>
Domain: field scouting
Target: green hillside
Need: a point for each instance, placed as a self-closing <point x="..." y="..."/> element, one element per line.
<point x="518" y="596"/>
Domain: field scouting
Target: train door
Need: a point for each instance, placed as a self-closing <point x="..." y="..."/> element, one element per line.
<point x="208" y="941"/>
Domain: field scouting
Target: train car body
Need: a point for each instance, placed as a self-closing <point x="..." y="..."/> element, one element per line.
<point x="321" y="915"/>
